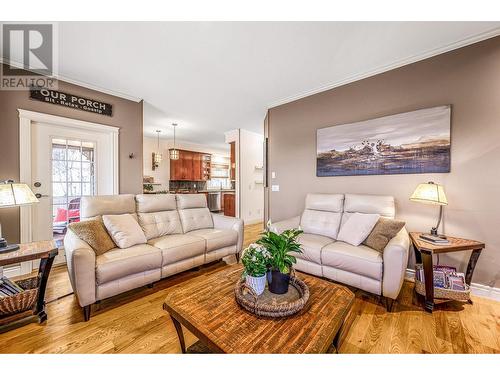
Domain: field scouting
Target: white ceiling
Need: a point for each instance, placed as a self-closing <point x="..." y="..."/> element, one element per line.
<point x="212" y="77"/>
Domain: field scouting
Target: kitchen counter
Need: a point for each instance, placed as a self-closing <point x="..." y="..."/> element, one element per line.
<point x="217" y="191"/>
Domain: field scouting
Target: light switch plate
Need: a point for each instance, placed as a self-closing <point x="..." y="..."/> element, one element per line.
<point x="273" y="174"/>
<point x="275" y="188"/>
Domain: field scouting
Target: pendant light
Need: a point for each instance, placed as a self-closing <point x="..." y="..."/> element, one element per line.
<point x="173" y="153"/>
<point x="157" y="156"/>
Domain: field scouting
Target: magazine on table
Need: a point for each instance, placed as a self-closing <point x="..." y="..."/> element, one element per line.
<point x="445" y="277"/>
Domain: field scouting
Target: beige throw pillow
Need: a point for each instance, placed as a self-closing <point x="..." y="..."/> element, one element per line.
<point x="94" y="233"/>
<point x="384" y="231"/>
<point x="124" y="230"/>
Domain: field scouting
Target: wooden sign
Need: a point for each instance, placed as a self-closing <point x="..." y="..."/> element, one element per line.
<point x="71" y="101"/>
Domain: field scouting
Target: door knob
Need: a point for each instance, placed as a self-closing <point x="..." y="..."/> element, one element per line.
<point x="38" y="195"/>
<point x="38" y="184"/>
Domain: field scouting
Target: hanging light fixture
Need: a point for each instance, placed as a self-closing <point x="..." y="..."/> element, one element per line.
<point x="173" y="153"/>
<point x="157" y="156"/>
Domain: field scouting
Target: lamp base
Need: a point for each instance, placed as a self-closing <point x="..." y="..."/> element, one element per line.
<point x="5" y="248"/>
<point x="435" y="233"/>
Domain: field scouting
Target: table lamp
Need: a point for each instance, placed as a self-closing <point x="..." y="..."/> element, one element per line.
<point x="13" y="195"/>
<point x="431" y="193"/>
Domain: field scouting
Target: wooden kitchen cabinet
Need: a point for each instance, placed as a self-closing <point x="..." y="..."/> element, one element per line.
<point x="229" y="204"/>
<point x="191" y="166"/>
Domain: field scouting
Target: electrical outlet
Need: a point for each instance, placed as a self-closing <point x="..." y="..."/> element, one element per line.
<point x="275" y="188"/>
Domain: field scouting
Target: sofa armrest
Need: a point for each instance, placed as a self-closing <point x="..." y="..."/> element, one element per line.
<point x="395" y="263"/>
<point x="80" y="258"/>
<point x="228" y="222"/>
<point x="281" y="226"/>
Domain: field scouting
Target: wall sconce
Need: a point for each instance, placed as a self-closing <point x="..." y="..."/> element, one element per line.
<point x="157" y="156"/>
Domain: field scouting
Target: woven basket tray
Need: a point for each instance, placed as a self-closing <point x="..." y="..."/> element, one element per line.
<point x="22" y="301"/>
<point x="441" y="293"/>
<point x="273" y="305"/>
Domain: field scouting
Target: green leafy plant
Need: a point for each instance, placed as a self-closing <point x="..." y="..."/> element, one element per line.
<point x="255" y="260"/>
<point x="280" y="246"/>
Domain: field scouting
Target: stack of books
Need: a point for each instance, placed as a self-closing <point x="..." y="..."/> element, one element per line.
<point x="436" y="240"/>
<point x="445" y="277"/>
<point x="9" y="288"/>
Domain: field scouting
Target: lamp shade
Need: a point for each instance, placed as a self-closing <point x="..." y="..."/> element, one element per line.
<point x="173" y="154"/>
<point x="13" y="194"/>
<point x="429" y="193"/>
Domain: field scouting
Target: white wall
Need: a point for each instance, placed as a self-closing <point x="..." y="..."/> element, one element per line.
<point x="251" y="178"/>
<point x="162" y="173"/>
<point x="249" y="193"/>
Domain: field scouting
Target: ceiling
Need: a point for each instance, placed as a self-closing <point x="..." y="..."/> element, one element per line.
<point x="211" y="77"/>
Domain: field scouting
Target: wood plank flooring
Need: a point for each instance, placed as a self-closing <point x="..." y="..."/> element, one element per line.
<point x="134" y="322"/>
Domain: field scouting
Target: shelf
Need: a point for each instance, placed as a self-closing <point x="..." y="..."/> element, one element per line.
<point x="151" y="183"/>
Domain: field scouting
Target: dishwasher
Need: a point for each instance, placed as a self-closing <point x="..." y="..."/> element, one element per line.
<point x="214" y="201"/>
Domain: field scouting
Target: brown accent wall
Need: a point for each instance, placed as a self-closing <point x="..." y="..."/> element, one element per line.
<point x="469" y="80"/>
<point x="127" y="115"/>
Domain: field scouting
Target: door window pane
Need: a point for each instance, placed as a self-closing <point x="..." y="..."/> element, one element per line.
<point x="59" y="171"/>
<point x="74" y="171"/>
<point x="72" y="176"/>
<point x="75" y="189"/>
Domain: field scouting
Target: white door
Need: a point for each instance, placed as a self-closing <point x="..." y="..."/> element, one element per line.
<point x="66" y="164"/>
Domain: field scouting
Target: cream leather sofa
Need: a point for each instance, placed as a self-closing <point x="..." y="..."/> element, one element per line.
<point x="358" y="266"/>
<point x="196" y="237"/>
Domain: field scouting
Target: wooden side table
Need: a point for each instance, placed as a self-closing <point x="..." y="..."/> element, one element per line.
<point x="46" y="251"/>
<point x="425" y="250"/>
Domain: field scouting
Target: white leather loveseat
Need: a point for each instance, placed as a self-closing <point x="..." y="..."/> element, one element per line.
<point x="358" y="266"/>
<point x="195" y="237"/>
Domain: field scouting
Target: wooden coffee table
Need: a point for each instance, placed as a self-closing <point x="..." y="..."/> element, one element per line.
<point x="206" y="306"/>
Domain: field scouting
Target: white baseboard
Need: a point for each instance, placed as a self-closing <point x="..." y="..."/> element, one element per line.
<point x="479" y="290"/>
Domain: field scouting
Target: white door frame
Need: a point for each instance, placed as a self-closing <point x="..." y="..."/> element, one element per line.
<point x="26" y="120"/>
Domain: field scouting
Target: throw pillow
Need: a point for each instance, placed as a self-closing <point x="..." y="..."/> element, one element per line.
<point x="124" y="230"/>
<point x="355" y="230"/>
<point x="384" y="231"/>
<point x="94" y="233"/>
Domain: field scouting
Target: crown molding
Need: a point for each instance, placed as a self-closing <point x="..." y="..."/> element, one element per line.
<point x="381" y="69"/>
<point x="89" y="86"/>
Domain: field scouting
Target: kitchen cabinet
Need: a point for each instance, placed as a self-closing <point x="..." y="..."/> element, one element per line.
<point x="191" y="166"/>
<point x="229" y="204"/>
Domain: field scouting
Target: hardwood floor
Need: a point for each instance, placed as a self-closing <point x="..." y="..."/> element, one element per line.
<point x="134" y="322"/>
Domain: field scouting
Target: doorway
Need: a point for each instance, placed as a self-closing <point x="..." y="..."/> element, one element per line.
<point x="62" y="160"/>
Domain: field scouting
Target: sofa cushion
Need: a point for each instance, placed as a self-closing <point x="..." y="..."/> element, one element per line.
<point x="360" y="260"/>
<point x="216" y="238"/>
<point x="323" y="223"/>
<point x="384" y="231"/>
<point x="157" y="224"/>
<point x="155" y="202"/>
<point x="191" y="201"/>
<point x="124" y="230"/>
<point x="195" y="218"/>
<point x="311" y="245"/>
<point x="176" y="247"/>
<point x="370" y="204"/>
<point x="118" y="263"/>
<point x="94" y="233"/>
<point x="98" y="205"/>
<point x="325" y="202"/>
<point x="355" y="230"/>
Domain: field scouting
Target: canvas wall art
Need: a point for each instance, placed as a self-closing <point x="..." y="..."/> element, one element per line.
<point x="411" y="142"/>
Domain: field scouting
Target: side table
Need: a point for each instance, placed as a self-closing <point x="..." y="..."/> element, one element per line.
<point x="425" y="250"/>
<point x="46" y="251"/>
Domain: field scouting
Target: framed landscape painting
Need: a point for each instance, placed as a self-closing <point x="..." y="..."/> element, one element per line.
<point x="411" y="142"/>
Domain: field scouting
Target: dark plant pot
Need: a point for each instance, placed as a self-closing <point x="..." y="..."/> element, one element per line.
<point x="278" y="282"/>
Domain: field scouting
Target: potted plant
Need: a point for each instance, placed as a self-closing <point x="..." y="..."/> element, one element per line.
<point x="255" y="260"/>
<point x="280" y="246"/>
